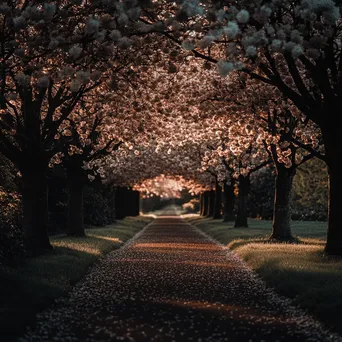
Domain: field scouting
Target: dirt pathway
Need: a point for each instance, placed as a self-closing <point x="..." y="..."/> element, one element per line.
<point x="172" y="283"/>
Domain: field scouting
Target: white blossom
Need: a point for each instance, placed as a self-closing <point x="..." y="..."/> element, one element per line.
<point x="242" y="17"/>
<point x="225" y="68"/>
<point x="289" y="46"/>
<point x="91" y="177"/>
<point x="4" y="8"/>
<point x="317" y="41"/>
<point x="276" y="45"/>
<point x="95" y="75"/>
<point x="123" y="19"/>
<point x="66" y="71"/>
<point x="124" y="42"/>
<point x="297" y="51"/>
<point x="115" y="35"/>
<point x="13" y="96"/>
<point x="251" y="51"/>
<point x="328" y="8"/>
<point x="100" y="37"/>
<point x="19" y="22"/>
<point x="188" y="45"/>
<point x="19" y="52"/>
<point x="53" y="44"/>
<point x="83" y="77"/>
<point x="313" y="53"/>
<point x="231" y="30"/>
<point x="75" y="52"/>
<point x="265" y="10"/>
<point x="205" y="42"/>
<point x="22" y="79"/>
<point x="49" y="11"/>
<point x="75" y="86"/>
<point x="231" y="49"/>
<point x="296" y="37"/>
<point x="172" y="68"/>
<point x="43" y="82"/>
<point x="92" y="26"/>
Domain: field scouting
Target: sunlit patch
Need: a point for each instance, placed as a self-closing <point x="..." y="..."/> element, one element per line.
<point x="208" y="264"/>
<point x="116" y="240"/>
<point x="78" y="247"/>
<point x="244" y="313"/>
<point x="173" y="262"/>
<point x="171" y="281"/>
<point x="201" y="246"/>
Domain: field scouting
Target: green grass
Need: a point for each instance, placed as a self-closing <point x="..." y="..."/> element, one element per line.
<point x="34" y="284"/>
<point x="299" y="271"/>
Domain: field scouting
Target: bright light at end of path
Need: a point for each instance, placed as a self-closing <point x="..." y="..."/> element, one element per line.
<point x="164" y="186"/>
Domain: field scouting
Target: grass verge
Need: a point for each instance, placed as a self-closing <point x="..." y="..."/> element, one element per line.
<point x="299" y="271"/>
<point x="33" y="285"/>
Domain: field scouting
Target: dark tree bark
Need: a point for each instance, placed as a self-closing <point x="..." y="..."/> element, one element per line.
<point x="205" y="203"/>
<point x="110" y="195"/>
<point x="218" y="201"/>
<point x="242" y="213"/>
<point x="211" y="203"/>
<point x="132" y="202"/>
<point x="228" y="202"/>
<point x="201" y="200"/>
<point x="35" y="207"/>
<point x="137" y="203"/>
<point x="76" y="184"/>
<point x="281" y="226"/>
<point x="120" y="208"/>
<point x="334" y="237"/>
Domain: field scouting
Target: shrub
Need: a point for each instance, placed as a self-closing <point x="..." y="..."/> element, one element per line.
<point x="11" y="233"/>
<point x="96" y="207"/>
<point x="192" y="206"/>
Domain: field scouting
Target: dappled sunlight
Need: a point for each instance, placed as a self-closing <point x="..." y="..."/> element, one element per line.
<point x="190" y="215"/>
<point x="231" y="311"/>
<point x="197" y="246"/>
<point x="76" y="246"/>
<point x="91" y="244"/>
<point x="281" y="247"/>
<point x="173" y="262"/>
<point x="116" y="240"/>
<point x="312" y="241"/>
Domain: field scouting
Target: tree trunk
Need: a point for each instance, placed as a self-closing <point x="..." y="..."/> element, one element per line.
<point x="75" y="204"/>
<point x="120" y="203"/>
<point x="110" y="195"/>
<point x="132" y="200"/>
<point x="242" y="213"/>
<point x="211" y="203"/>
<point x="137" y="203"/>
<point x="35" y="208"/>
<point x="228" y="202"/>
<point x="334" y="237"/>
<point x="201" y="200"/>
<point x="205" y="203"/>
<point x="218" y="201"/>
<point x="281" y="226"/>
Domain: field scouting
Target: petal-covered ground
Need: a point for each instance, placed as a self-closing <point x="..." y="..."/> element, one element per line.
<point x="173" y="283"/>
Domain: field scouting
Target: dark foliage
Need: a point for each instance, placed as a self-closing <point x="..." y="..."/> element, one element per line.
<point x="97" y="211"/>
<point x="261" y="196"/>
<point x="11" y="234"/>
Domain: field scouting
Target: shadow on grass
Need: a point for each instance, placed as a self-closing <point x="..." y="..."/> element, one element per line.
<point x="158" y="316"/>
<point x="34" y="284"/>
<point x="30" y="288"/>
<point x="318" y="291"/>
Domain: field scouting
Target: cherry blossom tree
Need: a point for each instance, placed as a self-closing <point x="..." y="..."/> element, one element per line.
<point x="52" y="55"/>
<point x="294" y="46"/>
